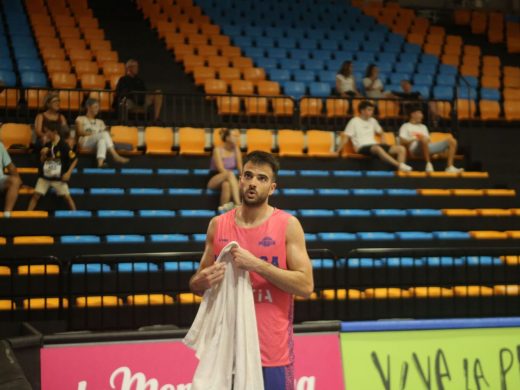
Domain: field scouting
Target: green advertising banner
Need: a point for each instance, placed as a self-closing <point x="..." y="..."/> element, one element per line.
<point x="455" y="359"/>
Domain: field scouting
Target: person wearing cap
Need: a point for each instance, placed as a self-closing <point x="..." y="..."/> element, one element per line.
<point x="92" y="133"/>
<point x="51" y="115"/>
<point x="414" y="135"/>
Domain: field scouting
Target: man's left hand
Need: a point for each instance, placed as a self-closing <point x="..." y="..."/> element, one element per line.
<point x="244" y="259"/>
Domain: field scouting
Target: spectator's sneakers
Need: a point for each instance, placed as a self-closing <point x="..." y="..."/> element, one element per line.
<point x="453" y="169"/>
<point x="429" y="167"/>
<point x="7" y="214"/>
<point x="404" y="167"/>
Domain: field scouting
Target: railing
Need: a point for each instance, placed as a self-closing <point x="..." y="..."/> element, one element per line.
<point x="244" y="111"/>
<point x="367" y="284"/>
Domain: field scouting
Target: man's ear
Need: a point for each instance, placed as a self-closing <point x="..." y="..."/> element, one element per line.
<point x="273" y="187"/>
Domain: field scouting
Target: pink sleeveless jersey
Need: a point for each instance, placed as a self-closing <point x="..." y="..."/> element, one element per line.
<point x="273" y="306"/>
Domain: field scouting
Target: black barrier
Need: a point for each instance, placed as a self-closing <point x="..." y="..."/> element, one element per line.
<point x="131" y="291"/>
<point x="225" y="110"/>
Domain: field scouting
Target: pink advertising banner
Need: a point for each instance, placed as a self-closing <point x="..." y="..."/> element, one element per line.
<point x="169" y="365"/>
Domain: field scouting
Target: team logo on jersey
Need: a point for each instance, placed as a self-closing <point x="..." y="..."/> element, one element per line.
<point x="267" y="241"/>
<point x="223" y="240"/>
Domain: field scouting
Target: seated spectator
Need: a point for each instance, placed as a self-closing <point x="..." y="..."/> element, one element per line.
<point x="411" y="99"/>
<point x="345" y="81"/>
<point x="57" y="161"/>
<point x="10" y="183"/>
<point x="225" y="159"/>
<point x="136" y="102"/>
<point x="93" y="133"/>
<point x="361" y="130"/>
<point x="51" y="105"/>
<point x="416" y="137"/>
<point x="373" y="85"/>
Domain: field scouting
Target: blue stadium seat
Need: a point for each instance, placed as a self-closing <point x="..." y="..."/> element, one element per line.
<point x="125" y="239"/>
<point x="323" y="54"/>
<point x="335" y="65"/>
<point x="199" y="237"/>
<point x="25" y="52"/>
<point x="409" y="57"/>
<point x="376" y="236"/>
<point x="424" y="90"/>
<point x="347" y="173"/>
<point x="385" y="57"/>
<point x="395" y="39"/>
<point x="314" y="173"/>
<point x="316" y="213"/>
<point x="79" y="240"/>
<point x="287" y="172"/>
<point x="330" y="44"/>
<point x="446" y="69"/>
<point x="340" y="236"/>
<point x="425" y="213"/>
<point x="137" y="267"/>
<point x="146" y="191"/>
<point x="322" y="263"/>
<point x="196" y="213"/>
<point x="353" y="213"/>
<point x="297" y="191"/>
<point x="200" y="172"/>
<point x="311" y="237"/>
<point x="232" y="30"/>
<point x="396" y="78"/>
<point x="305" y="76"/>
<point x="279" y="75"/>
<point x="5" y="63"/>
<point x="426" y="68"/>
<point x="8" y="78"/>
<point x="393" y="48"/>
<point x="333" y="192"/>
<point x="483" y="261"/>
<point x="367" y="192"/>
<point x="156" y="213"/>
<point x="277" y="53"/>
<point x="327" y="76"/>
<point x="385" y="67"/>
<point x="265" y="42"/>
<point x="444" y="261"/>
<point x="372" y="46"/>
<point x="411" y="48"/>
<point x="464" y="81"/>
<point x="426" y="58"/>
<point x="186" y="266"/>
<point x="255" y="31"/>
<point x="173" y="171"/>
<point x="185" y="191"/>
<point x="446" y="79"/>
<point x="76" y="191"/>
<point x="401" y="192"/>
<point x="314" y="65"/>
<point x="309" y="44"/>
<point x="242" y="41"/>
<point x="380" y="174"/>
<point x="365" y="56"/>
<point x="414" y="236"/>
<point x="452" y="235"/>
<point x="99" y="171"/>
<point x="397" y="262"/>
<point x="295" y="89"/>
<point x="137" y="171"/>
<point x="169" y="238"/>
<point x="350" y="46"/>
<point x="115" y="214"/>
<point x="389" y="212"/>
<point x="266" y="63"/>
<point x="404" y="67"/>
<point x="286" y="43"/>
<point x="72" y="214"/>
<point x="107" y="191"/>
<point x="89" y="268"/>
<point x="29" y="65"/>
<point x="364" y="262"/>
<point x="490" y="94"/>
<point x="290" y="64"/>
<point x="320" y="89"/>
<point x="300" y="54"/>
<point x="443" y="92"/>
<point x="423" y="79"/>
<point x="467" y="93"/>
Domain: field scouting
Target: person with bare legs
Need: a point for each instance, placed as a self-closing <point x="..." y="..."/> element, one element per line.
<point x="416" y="137"/>
<point x="57" y="161"/>
<point x="225" y="160"/>
<point x="10" y="183"/>
<point x="361" y="131"/>
<point x="93" y="133"/>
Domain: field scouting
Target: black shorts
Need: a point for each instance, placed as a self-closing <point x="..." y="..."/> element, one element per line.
<point x="365" y="150"/>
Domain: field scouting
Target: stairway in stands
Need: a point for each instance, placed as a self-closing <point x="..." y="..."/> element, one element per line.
<point x="132" y="37"/>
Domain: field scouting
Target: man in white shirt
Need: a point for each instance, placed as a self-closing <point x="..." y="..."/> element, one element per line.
<point x="361" y="130"/>
<point x="10" y="183"/>
<point x="415" y="136"/>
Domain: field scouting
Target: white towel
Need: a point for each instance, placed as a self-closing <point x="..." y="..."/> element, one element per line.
<point x="224" y="333"/>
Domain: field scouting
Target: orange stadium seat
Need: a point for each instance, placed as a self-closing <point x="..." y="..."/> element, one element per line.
<point x="228" y="105"/>
<point x="259" y="139"/>
<point x="9" y="98"/>
<point x="126" y="135"/>
<point x="311" y="107"/>
<point x="86" y="67"/>
<point x="320" y="143"/>
<point x="256" y="105"/>
<point x="15" y="134"/>
<point x="242" y="63"/>
<point x="35" y="97"/>
<point x="113" y="68"/>
<point x="70" y="100"/>
<point x="337" y="107"/>
<point x="63" y="80"/>
<point x="158" y="140"/>
<point x="58" y="66"/>
<point x="253" y="74"/>
<point x="105" y="99"/>
<point x="203" y="73"/>
<point x="283" y="106"/>
<point x="192" y="61"/>
<point x="268" y="88"/>
<point x="291" y="143"/>
<point x="229" y="74"/>
<point x="103" y="56"/>
<point x="489" y="109"/>
<point x="242" y="87"/>
<point x="215" y="87"/>
<point x="230" y="52"/>
<point x="92" y="81"/>
<point x="192" y="141"/>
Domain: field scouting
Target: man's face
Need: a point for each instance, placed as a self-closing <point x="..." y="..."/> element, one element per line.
<point x="417" y="116"/>
<point x="406" y="86"/>
<point x="133" y="69"/>
<point x="256" y="184"/>
<point x="367" y="112"/>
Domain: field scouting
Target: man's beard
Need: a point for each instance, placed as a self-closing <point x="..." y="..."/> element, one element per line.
<point x="259" y="200"/>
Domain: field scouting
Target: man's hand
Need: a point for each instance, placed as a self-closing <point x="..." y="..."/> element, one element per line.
<point x="65" y="177"/>
<point x="245" y="260"/>
<point x="208" y="277"/>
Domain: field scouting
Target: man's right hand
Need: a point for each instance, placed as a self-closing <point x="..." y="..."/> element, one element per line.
<point x="208" y="277"/>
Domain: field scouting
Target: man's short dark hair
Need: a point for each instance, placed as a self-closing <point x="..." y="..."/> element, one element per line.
<point x="365" y="104"/>
<point x="412" y="108"/>
<point x="259" y="157"/>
